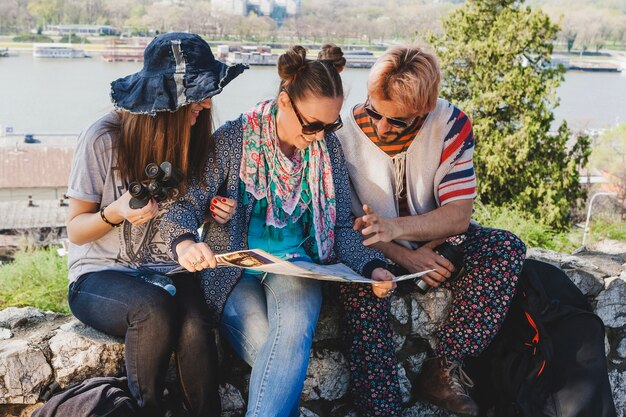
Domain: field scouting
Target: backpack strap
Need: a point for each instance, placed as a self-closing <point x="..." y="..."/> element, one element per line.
<point x="48" y="390"/>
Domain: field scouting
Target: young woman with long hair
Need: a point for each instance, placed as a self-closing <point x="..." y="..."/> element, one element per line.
<point x="163" y="113"/>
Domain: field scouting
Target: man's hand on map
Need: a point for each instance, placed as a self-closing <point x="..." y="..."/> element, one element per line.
<point x="384" y="287"/>
<point x="375" y="228"/>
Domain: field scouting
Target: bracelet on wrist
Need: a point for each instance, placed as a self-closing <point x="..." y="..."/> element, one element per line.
<point x="104" y="219"/>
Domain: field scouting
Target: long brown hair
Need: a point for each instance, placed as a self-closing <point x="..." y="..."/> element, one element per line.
<point x="165" y="137"/>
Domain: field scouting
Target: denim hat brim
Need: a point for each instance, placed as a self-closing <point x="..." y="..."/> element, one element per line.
<point x="139" y="94"/>
<point x="149" y="91"/>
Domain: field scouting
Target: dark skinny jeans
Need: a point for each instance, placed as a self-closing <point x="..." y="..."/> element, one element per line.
<point x="154" y="324"/>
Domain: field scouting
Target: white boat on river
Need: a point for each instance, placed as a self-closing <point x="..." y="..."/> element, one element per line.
<point x="57" y="50"/>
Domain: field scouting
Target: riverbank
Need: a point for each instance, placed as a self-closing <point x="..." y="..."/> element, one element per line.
<point x="607" y="59"/>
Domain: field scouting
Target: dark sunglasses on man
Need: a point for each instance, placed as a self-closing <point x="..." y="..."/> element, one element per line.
<point x="399" y="123"/>
<point x="314" y="127"/>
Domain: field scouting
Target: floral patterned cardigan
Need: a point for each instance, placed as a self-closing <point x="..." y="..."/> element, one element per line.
<point x="221" y="177"/>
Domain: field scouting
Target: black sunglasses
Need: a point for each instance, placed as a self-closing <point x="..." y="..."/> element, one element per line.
<point x="399" y="123"/>
<point x="315" y="127"/>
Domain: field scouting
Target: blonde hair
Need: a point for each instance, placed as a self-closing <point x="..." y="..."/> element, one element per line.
<point x="408" y="75"/>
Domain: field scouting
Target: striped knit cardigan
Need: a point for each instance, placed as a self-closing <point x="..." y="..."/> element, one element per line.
<point x="434" y="154"/>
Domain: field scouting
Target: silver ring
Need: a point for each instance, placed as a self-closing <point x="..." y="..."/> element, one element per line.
<point x="194" y="264"/>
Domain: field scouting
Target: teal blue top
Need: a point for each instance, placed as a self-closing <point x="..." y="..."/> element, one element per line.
<point x="285" y="243"/>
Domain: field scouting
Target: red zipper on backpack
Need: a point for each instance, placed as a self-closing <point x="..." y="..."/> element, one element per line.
<point x="535" y="340"/>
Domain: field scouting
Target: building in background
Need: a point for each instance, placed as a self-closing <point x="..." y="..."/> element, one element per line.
<point x="34" y="172"/>
<point x="31" y="223"/>
<point x="276" y="9"/>
<point x="236" y="7"/>
<point x="33" y="206"/>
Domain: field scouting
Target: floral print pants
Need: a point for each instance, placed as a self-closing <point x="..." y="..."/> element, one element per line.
<point x="493" y="260"/>
<point x="371" y="355"/>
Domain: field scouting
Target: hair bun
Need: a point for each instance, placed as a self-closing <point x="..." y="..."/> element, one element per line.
<point x="332" y="54"/>
<point x="291" y="62"/>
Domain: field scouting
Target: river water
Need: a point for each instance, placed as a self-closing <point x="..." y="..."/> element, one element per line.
<point x="64" y="96"/>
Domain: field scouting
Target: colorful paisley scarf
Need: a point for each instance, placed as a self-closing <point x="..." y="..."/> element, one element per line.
<point x="267" y="173"/>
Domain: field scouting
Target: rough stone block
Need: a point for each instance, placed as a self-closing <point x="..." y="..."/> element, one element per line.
<point x="13" y="317"/>
<point x="232" y="401"/>
<point x="589" y="283"/>
<point x="24" y="370"/>
<point x="611" y="306"/>
<point x="80" y="352"/>
<point x="327" y="376"/>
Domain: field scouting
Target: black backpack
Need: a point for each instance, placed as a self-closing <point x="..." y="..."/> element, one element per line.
<point x="548" y="359"/>
<point x="94" y="397"/>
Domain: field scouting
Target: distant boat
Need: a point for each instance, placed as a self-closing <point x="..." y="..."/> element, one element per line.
<point x="125" y="49"/>
<point x="594" y="67"/>
<point x="359" y="59"/>
<point x="246" y="54"/>
<point x="4" y="52"/>
<point x="262" y="55"/>
<point x="56" y="50"/>
<point x="252" y="58"/>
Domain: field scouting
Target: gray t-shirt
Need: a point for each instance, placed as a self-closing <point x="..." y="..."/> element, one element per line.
<point x="94" y="178"/>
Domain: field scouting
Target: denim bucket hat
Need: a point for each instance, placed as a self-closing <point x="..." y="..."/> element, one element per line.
<point x="178" y="69"/>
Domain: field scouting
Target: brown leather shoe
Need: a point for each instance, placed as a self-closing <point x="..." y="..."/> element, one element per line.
<point x="444" y="384"/>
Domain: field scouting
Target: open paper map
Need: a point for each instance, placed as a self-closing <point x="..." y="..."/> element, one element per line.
<point x="262" y="261"/>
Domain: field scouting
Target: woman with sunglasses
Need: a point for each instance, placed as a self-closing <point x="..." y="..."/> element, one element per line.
<point x="281" y="161"/>
<point x="410" y="159"/>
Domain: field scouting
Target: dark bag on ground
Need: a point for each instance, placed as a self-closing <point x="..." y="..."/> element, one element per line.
<point x="94" y="397"/>
<point x="548" y="359"/>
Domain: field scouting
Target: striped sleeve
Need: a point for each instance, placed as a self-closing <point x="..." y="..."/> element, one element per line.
<point x="460" y="181"/>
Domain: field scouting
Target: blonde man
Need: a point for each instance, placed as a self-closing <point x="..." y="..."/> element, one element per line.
<point x="410" y="159"/>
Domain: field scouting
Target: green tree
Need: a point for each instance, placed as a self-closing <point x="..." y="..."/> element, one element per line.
<point x="495" y="55"/>
<point x="48" y="11"/>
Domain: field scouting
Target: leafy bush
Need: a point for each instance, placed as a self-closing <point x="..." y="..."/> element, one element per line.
<point x="31" y="37"/>
<point x="540" y="235"/>
<point x="74" y="39"/>
<point x="532" y="231"/>
<point x="607" y="226"/>
<point x="35" y="278"/>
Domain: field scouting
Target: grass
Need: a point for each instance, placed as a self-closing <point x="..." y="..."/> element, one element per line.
<point x="29" y="37"/>
<point x="35" y="278"/>
<point x="607" y="227"/>
<point x="531" y="231"/>
<point x="538" y="235"/>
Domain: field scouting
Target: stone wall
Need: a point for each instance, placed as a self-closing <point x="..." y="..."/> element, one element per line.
<point x="39" y="347"/>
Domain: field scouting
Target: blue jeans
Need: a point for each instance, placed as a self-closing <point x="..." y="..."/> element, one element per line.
<point x="154" y="324"/>
<point x="270" y="321"/>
